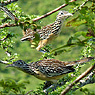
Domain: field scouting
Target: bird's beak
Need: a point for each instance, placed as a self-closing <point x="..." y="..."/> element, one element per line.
<point x="10" y="65"/>
<point x="69" y="14"/>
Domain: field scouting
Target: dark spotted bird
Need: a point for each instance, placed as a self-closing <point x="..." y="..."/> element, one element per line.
<point x="48" y="69"/>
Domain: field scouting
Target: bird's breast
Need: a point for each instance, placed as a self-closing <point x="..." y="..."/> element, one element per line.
<point x="42" y="76"/>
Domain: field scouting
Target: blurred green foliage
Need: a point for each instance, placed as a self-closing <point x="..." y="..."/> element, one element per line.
<point x="76" y="40"/>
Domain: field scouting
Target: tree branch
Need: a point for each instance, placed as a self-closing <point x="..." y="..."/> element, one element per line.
<point x="53" y="11"/>
<point x="77" y="80"/>
<point x="7" y="2"/>
<point x="8" y="25"/>
<point x="4" y="62"/>
<point x="43" y="16"/>
<point x="70" y="44"/>
<point x="29" y="92"/>
<point x="3" y="39"/>
<point x="49" y="13"/>
<point x="79" y="8"/>
<point x="60" y="7"/>
<point x="87" y="80"/>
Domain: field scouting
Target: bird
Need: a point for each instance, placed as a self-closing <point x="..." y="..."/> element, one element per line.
<point x="48" y="69"/>
<point x="47" y="33"/>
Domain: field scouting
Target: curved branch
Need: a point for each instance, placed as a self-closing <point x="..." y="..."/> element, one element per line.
<point x="60" y="7"/>
<point x="49" y="13"/>
<point x="53" y="11"/>
<point x="77" y="80"/>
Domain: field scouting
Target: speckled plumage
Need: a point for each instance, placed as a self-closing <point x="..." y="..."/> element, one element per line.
<point x="48" y="69"/>
<point x="49" y="32"/>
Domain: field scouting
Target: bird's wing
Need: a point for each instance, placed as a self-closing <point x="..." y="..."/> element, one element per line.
<point x="29" y="34"/>
<point x="52" y="67"/>
<point x="45" y="32"/>
<point x="50" y="29"/>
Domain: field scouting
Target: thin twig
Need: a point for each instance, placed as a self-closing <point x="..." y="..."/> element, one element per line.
<point x="81" y="6"/>
<point x="4" y="3"/>
<point x="49" y="13"/>
<point x="3" y="39"/>
<point x="8" y="25"/>
<point x="53" y="11"/>
<point x="29" y="92"/>
<point x="60" y="7"/>
<point x="77" y="80"/>
<point x="4" y="62"/>
<point x="7" y="52"/>
<point x="68" y="45"/>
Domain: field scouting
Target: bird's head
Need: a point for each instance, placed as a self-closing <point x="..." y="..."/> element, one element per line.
<point x="20" y="64"/>
<point x="63" y="14"/>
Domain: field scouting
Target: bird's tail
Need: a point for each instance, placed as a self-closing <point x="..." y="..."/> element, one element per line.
<point x="10" y="14"/>
<point x="29" y="35"/>
<point x="79" y="61"/>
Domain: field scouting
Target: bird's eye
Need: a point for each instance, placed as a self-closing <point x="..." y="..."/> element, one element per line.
<point x="19" y="63"/>
<point x="61" y="13"/>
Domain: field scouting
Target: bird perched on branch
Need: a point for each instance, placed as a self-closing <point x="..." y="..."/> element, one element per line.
<point x="47" y="33"/>
<point x="48" y="69"/>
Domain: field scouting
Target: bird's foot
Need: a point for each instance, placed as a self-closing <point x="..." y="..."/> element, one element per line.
<point x="47" y="84"/>
<point x="50" y="88"/>
<point x="44" y="51"/>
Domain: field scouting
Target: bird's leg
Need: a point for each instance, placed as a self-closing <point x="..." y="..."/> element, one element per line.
<point x="47" y="84"/>
<point x="46" y="49"/>
<point x="39" y="49"/>
<point x="50" y="88"/>
<point x="43" y="51"/>
<point x="41" y="44"/>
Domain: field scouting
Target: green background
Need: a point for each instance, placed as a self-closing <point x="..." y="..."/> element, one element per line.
<point x="26" y="53"/>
